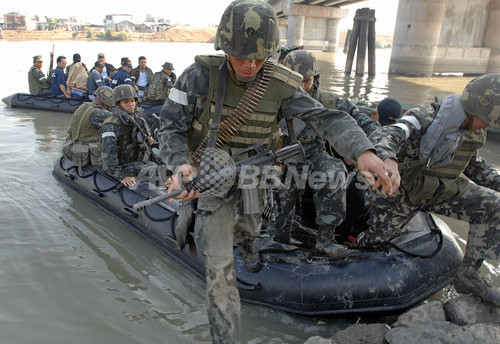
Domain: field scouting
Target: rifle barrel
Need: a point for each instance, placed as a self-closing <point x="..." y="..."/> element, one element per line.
<point x="149" y="202"/>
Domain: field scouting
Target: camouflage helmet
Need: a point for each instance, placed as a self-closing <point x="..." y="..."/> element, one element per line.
<point x="124" y="92"/>
<point x="303" y="62"/>
<point x="481" y="97"/>
<point x="105" y="94"/>
<point x="248" y="29"/>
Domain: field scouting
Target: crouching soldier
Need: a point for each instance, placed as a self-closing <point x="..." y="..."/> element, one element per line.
<point x="84" y="138"/>
<point x="431" y="150"/>
<point x="127" y="139"/>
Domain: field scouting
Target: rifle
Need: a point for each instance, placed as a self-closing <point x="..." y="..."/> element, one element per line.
<point x="288" y="155"/>
<point x="51" y="66"/>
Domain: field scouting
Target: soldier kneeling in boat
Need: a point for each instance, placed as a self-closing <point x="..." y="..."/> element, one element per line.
<point x="84" y="138"/>
<point x="127" y="139"/>
<point x="429" y="150"/>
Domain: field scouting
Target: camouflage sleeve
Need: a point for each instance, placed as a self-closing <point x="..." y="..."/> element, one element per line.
<point x="481" y="173"/>
<point x="364" y="121"/>
<point x="184" y="103"/>
<point x="387" y="140"/>
<point x="336" y="126"/>
<point x="390" y="140"/>
<point x="38" y="74"/>
<point x="97" y="118"/>
<point x="109" y="154"/>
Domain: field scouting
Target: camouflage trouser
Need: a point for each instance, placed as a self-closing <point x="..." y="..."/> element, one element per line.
<point x="140" y="170"/>
<point x="219" y="221"/>
<point x="478" y="205"/>
<point x="329" y="195"/>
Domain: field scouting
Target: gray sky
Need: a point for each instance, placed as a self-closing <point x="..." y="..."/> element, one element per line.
<point x="194" y="12"/>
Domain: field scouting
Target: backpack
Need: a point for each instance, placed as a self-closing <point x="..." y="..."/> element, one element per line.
<point x="156" y="90"/>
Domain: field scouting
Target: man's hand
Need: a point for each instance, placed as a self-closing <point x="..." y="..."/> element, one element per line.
<point x="188" y="174"/>
<point x="128" y="181"/>
<point x="369" y="163"/>
<point x="391" y="167"/>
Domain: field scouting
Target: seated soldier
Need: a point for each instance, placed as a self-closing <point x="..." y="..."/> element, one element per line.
<point x="82" y="144"/>
<point x="329" y="195"/>
<point x="126" y="139"/>
<point x="38" y="83"/>
<point x="161" y="83"/>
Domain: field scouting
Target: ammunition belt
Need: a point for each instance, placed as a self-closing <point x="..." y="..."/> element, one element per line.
<point x="241" y="114"/>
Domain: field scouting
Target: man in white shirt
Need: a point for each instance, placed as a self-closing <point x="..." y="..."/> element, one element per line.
<point x="141" y="76"/>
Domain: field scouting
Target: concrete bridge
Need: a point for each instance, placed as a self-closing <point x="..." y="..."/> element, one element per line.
<point x="431" y="36"/>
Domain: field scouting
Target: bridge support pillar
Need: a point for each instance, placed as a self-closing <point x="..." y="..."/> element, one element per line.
<point x="295" y="30"/>
<point x="416" y="37"/>
<point x="314" y="27"/>
<point x="332" y="37"/>
<point x="492" y="37"/>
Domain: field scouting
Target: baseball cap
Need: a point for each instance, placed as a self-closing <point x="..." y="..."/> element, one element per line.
<point x="127" y="63"/>
<point x="389" y="111"/>
<point x="37" y="58"/>
<point x="99" y="64"/>
<point x="100" y="55"/>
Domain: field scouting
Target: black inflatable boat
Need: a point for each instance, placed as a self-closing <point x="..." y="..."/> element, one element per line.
<point x="29" y="101"/>
<point x="290" y="279"/>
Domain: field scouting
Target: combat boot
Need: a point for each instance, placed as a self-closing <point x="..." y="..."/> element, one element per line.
<point x="250" y="255"/>
<point x="468" y="281"/>
<point x="325" y="243"/>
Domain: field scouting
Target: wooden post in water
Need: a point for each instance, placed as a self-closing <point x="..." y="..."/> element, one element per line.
<point x="363" y="35"/>
<point x="347" y="40"/>
<point x="371" y="43"/>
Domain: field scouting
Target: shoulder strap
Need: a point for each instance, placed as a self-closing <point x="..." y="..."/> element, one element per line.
<point x="219" y="102"/>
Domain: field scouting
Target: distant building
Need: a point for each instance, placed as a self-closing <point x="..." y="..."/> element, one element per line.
<point x="14" y="21"/>
<point x="111" y="20"/>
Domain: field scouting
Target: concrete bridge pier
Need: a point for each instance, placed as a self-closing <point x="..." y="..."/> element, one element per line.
<point x="314" y="27"/>
<point x="416" y="37"/>
<point x="443" y="36"/>
<point x="492" y="37"/>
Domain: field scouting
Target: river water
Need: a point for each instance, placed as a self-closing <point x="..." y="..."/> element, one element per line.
<point x="72" y="273"/>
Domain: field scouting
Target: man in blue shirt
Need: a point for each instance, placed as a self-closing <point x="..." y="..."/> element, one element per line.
<point x="123" y="76"/>
<point x="95" y="79"/>
<point x="58" y="87"/>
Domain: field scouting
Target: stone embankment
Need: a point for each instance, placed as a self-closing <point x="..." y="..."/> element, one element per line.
<point x="462" y="320"/>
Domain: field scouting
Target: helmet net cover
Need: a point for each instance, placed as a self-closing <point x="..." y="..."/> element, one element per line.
<point x="248" y="29"/>
<point x="124" y="92"/>
<point x="481" y="97"/>
<point x="303" y="62"/>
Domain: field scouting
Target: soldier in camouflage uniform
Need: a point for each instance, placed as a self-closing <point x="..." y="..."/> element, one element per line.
<point x="161" y="83"/>
<point x="329" y="198"/>
<point x="431" y="151"/>
<point x="82" y="144"/>
<point x="248" y="34"/>
<point x="126" y="139"/>
<point x="38" y="83"/>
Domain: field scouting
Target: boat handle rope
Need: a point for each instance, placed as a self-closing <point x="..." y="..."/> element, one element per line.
<point x="23" y="97"/>
<point x="74" y="167"/>
<point x="117" y="186"/>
